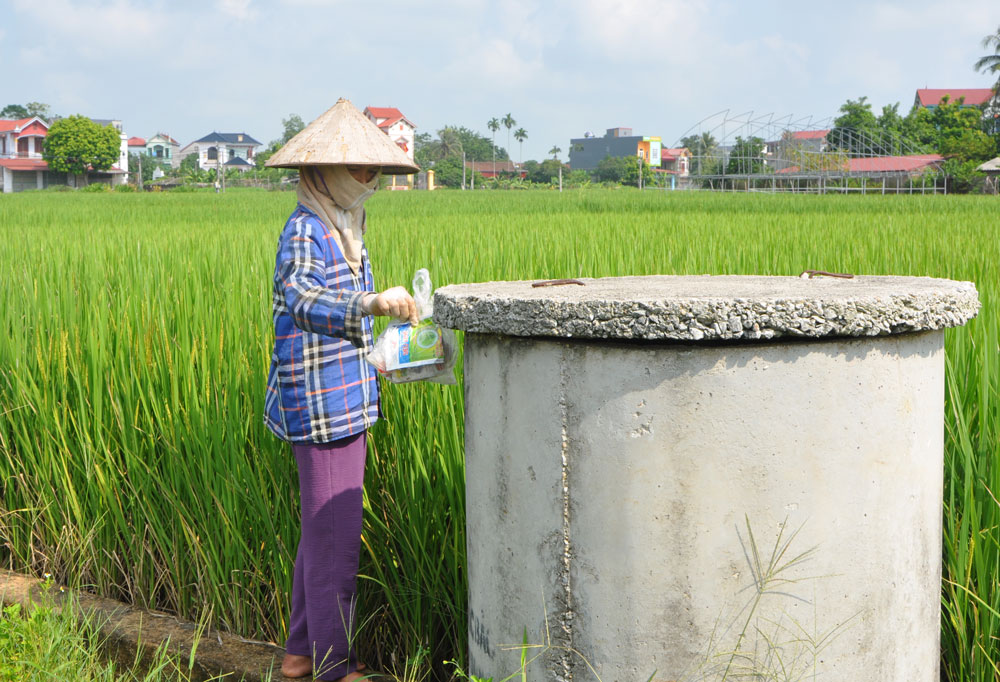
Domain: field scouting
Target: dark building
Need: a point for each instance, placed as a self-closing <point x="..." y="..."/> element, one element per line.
<point x="586" y="152"/>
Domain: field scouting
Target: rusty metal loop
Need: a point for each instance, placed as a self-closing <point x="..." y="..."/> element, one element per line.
<point x="557" y="282"/>
<point x="824" y="273"/>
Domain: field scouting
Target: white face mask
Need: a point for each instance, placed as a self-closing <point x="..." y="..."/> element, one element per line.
<point x="346" y="191"/>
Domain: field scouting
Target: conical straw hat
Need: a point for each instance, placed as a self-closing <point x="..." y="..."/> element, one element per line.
<point x="340" y="137"/>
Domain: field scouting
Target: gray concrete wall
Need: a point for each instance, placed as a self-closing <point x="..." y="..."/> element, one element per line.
<point x="610" y="486"/>
<point x="586" y="152"/>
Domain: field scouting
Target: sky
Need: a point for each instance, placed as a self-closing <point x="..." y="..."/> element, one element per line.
<point x="559" y="67"/>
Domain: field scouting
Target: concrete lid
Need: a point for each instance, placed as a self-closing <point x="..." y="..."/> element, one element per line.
<point x="708" y="307"/>
<point x="343" y="136"/>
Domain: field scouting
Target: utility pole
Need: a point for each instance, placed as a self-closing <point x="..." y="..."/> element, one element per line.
<point x="463" y="169"/>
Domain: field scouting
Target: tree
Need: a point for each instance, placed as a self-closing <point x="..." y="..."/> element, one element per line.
<point x="521" y="135"/>
<point x="448" y="172"/>
<point x="701" y="147"/>
<point x="293" y="126"/>
<point x="38" y="109"/>
<point x="746" y="157"/>
<point x="147" y="165"/>
<point x="990" y="63"/>
<point x="891" y="124"/>
<point x="14" y="111"/>
<point x="544" y="172"/>
<point x="508" y="123"/>
<point x="494" y="126"/>
<point x="189" y="165"/>
<point x="610" y="169"/>
<point x="452" y="141"/>
<point x="76" y="144"/>
<point x="856" y="129"/>
<point x="555" y="152"/>
<point x="968" y="145"/>
<point x="622" y="169"/>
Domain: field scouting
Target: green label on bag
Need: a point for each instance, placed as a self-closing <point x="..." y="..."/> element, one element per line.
<point x="419" y="345"/>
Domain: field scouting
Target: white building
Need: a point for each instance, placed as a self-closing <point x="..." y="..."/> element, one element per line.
<point x="233" y="150"/>
<point x="22" y="166"/>
<point x="400" y="130"/>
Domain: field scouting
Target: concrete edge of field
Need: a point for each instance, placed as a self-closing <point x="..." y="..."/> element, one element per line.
<point x="130" y="632"/>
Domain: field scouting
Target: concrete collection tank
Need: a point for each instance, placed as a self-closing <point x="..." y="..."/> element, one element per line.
<point x="692" y="474"/>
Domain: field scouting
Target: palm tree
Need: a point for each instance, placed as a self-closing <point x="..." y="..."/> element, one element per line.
<point x="508" y="123"/>
<point x="494" y="126"/>
<point x="521" y="135"/>
<point x="555" y="152"/>
<point x="990" y="63"/>
<point x="451" y="143"/>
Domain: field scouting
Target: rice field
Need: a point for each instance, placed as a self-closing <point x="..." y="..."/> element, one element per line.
<point x="135" y="336"/>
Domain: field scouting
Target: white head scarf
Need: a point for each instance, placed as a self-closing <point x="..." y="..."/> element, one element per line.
<point x="338" y="199"/>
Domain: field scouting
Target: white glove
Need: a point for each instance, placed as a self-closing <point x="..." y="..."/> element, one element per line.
<point x="395" y="302"/>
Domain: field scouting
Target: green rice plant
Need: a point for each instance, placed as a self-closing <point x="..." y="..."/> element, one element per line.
<point x="64" y="642"/>
<point x="135" y="335"/>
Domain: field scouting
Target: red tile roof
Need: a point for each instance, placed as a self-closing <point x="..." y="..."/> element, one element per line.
<point x="885" y="164"/>
<point x="486" y="167"/>
<point x="392" y="115"/>
<point x="890" y="164"/>
<point x="7" y="125"/>
<point x="24" y="164"/>
<point x="673" y="153"/>
<point x="809" y="134"/>
<point x="384" y="112"/>
<point x="136" y="142"/>
<point x="930" y="97"/>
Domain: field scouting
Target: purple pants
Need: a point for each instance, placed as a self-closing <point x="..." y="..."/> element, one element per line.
<point x="326" y="566"/>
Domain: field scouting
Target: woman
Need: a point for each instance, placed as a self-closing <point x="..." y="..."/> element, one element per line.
<point x="322" y="396"/>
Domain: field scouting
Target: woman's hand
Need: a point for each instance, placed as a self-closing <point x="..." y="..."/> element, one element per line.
<point x="395" y="302"/>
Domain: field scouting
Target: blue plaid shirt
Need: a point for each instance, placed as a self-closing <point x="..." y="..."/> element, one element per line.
<point x="319" y="388"/>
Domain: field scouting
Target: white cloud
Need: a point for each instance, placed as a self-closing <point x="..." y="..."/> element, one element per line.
<point x="238" y="9"/>
<point x="507" y="66"/>
<point x="95" y="29"/>
<point x="629" y="29"/>
<point x="962" y="16"/>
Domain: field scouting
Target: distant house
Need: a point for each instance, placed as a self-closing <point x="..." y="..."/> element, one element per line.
<point x="485" y="168"/>
<point x="930" y="98"/>
<point x="676" y="160"/>
<point x="218" y="149"/>
<point x="789" y="149"/>
<point x="586" y="152"/>
<point x="400" y="130"/>
<point x="163" y="149"/>
<point x="992" y="170"/>
<point x="21" y="161"/>
<point x="22" y="165"/>
<point x="392" y="122"/>
<point x="136" y="145"/>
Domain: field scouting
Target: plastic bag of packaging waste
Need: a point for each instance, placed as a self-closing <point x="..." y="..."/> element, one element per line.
<point x="422" y="352"/>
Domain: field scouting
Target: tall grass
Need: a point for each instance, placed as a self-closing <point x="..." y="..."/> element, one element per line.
<point x="135" y="336"/>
